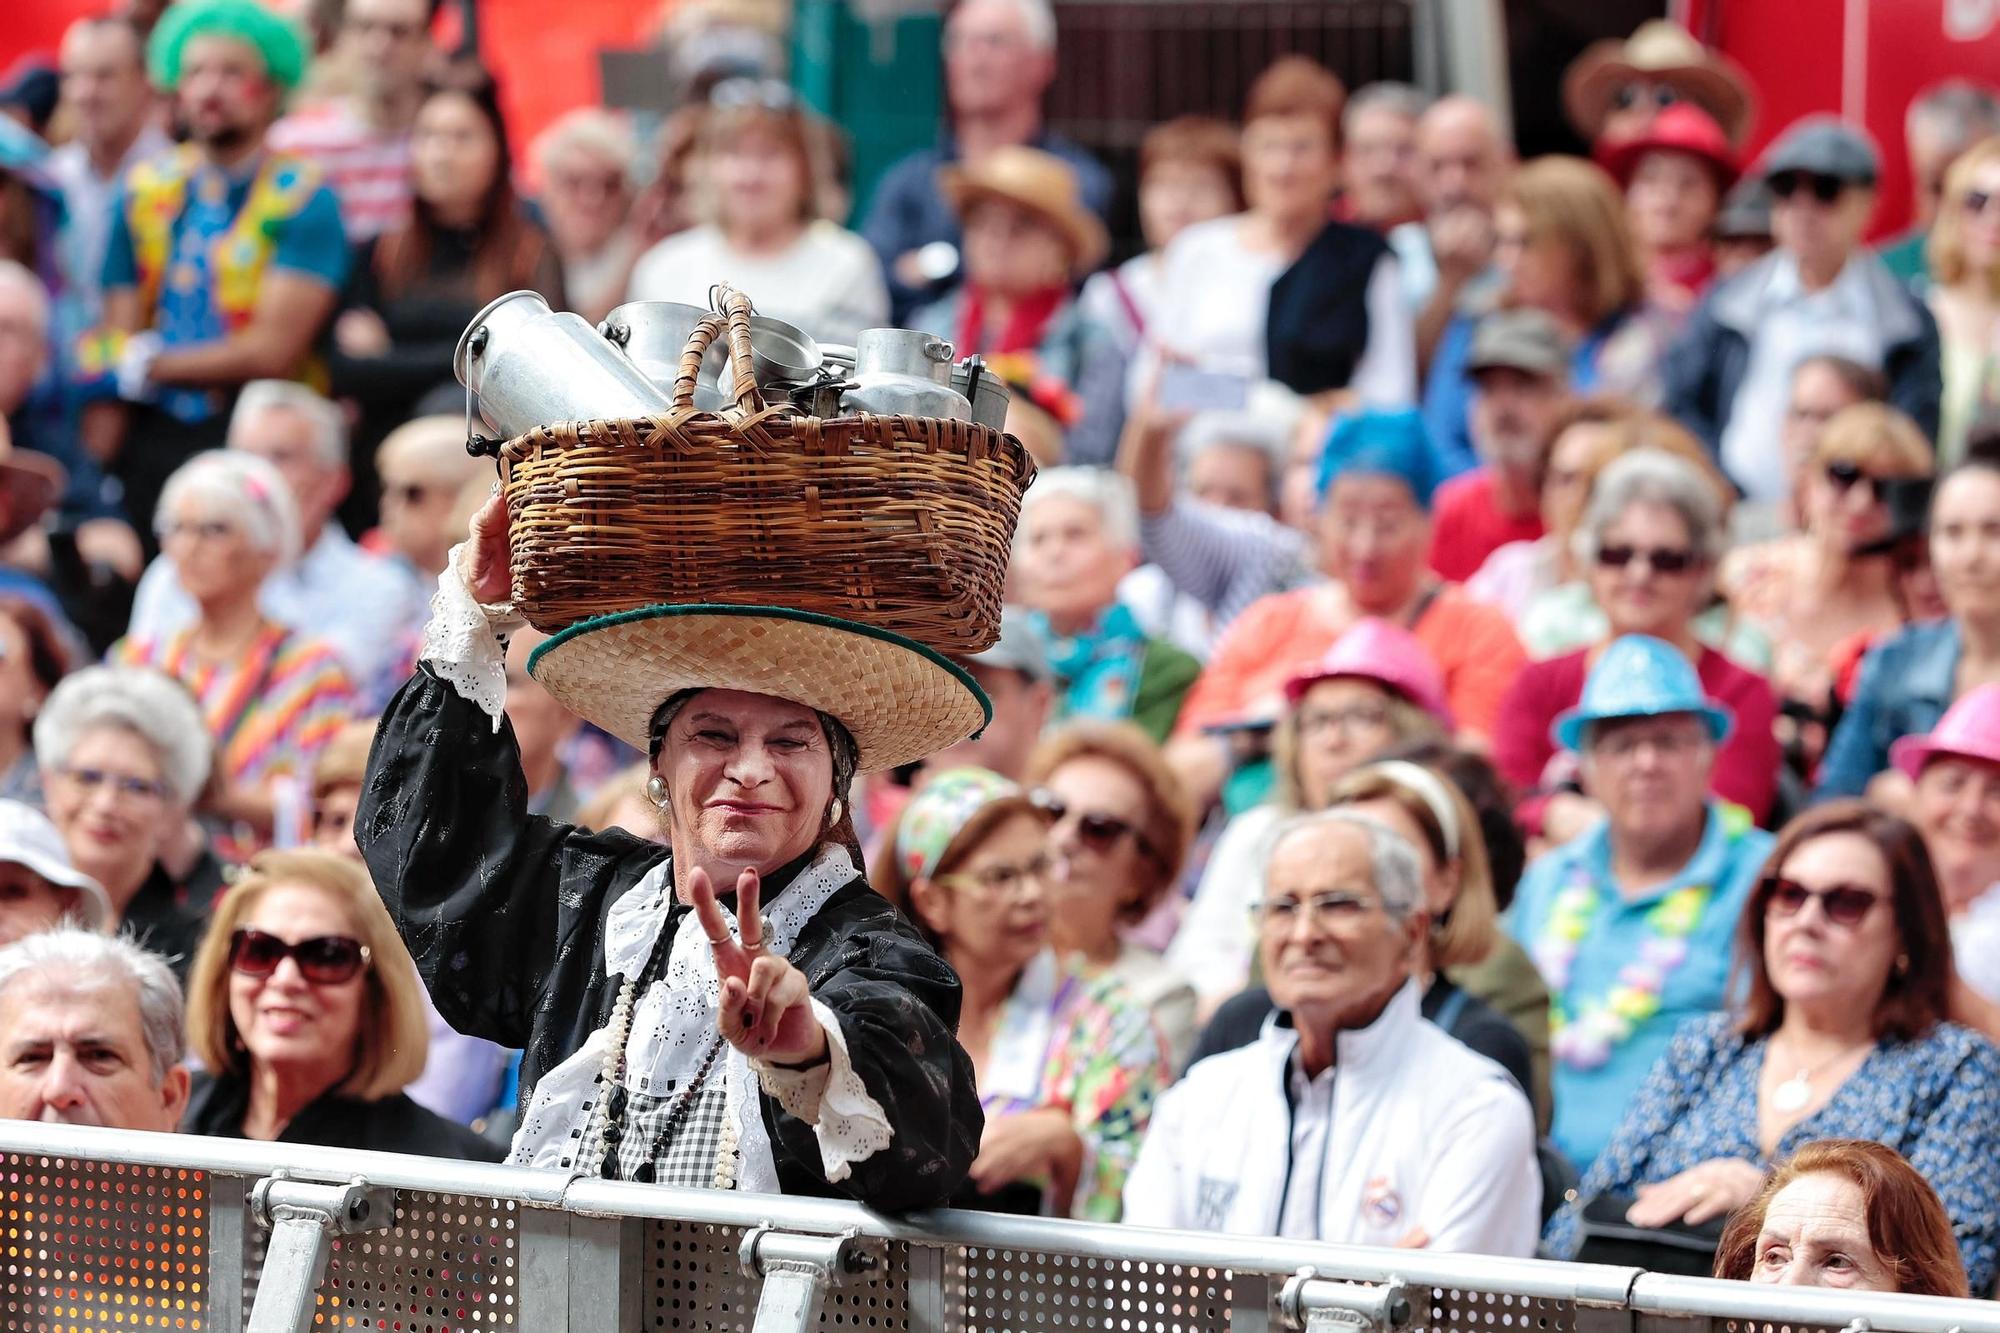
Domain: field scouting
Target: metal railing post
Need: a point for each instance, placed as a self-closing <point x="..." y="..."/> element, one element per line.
<point x="1321" y="1305"/>
<point x="796" y="1270"/>
<point x="304" y="1218"/>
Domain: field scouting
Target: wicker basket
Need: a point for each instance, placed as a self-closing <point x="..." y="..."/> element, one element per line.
<point x="898" y="523"/>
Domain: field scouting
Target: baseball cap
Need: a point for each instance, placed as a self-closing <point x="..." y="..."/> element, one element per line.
<point x="1521" y="339"/>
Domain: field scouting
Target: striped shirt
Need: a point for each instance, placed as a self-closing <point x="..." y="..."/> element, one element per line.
<point x="269" y="713"/>
<point x="369" y="169"/>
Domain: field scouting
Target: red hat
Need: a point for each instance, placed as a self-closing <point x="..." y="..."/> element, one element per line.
<point x="1680" y="128"/>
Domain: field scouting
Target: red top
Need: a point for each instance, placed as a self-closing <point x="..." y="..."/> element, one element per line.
<point x="1746" y="765"/>
<point x="1467" y="526"/>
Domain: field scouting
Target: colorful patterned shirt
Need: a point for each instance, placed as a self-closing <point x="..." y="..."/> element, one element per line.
<point x="1085" y="1045"/>
<point x="270" y="712"/>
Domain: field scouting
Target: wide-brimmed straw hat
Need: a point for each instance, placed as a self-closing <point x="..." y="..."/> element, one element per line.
<point x="1040" y="182"/>
<point x="900" y="700"/>
<point x="1659" y="51"/>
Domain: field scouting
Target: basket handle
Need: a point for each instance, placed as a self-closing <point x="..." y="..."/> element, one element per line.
<point x="705" y="333"/>
<point x="734" y="316"/>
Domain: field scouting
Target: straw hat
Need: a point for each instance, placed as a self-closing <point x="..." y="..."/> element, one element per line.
<point x="1038" y="181"/>
<point x="900" y="700"/>
<point x="1658" y="52"/>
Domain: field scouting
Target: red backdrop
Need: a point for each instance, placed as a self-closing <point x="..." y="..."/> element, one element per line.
<point x="1863" y="59"/>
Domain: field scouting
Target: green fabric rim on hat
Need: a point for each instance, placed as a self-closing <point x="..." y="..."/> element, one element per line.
<point x="275" y="39"/>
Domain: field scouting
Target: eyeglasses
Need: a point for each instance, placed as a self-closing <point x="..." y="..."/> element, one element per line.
<point x="1626" y="96"/>
<point x="1099" y="833"/>
<point x="1625" y="743"/>
<point x="1002" y="881"/>
<point x="1844" y="475"/>
<point x="1334" y="910"/>
<point x="1826" y="189"/>
<point x="769" y="94"/>
<point x="1354" y="717"/>
<point x="1844" y="905"/>
<point x="1977" y="202"/>
<point x="1661" y="560"/>
<point x="122" y="785"/>
<point x="324" y="960"/>
<point x="208" y="530"/>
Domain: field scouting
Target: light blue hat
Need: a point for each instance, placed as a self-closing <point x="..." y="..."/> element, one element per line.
<point x="1640" y="676"/>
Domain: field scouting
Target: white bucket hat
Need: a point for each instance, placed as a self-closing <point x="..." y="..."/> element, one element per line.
<point x="27" y="838"/>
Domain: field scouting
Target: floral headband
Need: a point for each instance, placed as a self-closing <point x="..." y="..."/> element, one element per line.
<point x="939" y="813"/>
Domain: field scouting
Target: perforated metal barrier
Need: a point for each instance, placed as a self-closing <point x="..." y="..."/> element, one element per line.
<point x="104" y="1230"/>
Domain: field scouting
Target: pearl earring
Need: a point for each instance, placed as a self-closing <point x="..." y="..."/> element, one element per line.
<point x="656" y="791"/>
<point x="834" y="811"/>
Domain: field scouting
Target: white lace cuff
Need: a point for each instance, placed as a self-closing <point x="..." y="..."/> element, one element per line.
<point x="851" y="1126"/>
<point x="463" y="641"/>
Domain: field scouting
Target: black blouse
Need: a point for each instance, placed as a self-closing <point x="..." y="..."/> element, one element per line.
<point x="505" y="914"/>
<point x="216" y="1106"/>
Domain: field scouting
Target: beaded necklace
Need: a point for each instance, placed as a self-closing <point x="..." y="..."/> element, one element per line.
<point x="1583" y="1036"/>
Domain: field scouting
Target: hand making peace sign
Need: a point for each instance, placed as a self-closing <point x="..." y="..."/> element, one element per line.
<point x="766" y="1012"/>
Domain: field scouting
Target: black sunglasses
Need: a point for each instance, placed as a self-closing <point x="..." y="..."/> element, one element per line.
<point x="1844" y="906"/>
<point x="324" y="960"/>
<point x="1844" y="475"/>
<point x="1098" y="832"/>
<point x="1661" y="560"/>
<point x="1826" y="189"/>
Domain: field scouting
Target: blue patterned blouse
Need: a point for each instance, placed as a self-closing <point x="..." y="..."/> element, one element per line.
<point x="1935" y="1100"/>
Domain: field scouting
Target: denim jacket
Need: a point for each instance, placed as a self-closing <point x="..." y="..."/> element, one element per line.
<point x="1905" y="685"/>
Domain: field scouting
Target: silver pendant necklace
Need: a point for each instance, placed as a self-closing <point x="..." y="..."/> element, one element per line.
<point x="1790" y="1097"/>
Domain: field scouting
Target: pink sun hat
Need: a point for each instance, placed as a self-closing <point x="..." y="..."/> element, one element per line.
<point x="1969" y="729"/>
<point x="1389" y="655"/>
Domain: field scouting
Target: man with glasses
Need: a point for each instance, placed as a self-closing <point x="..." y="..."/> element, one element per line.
<point x="1351" y="1119"/>
<point x="361" y="139"/>
<point x="1728" y="376"/>
<point x="1631" y="922"/>
<point x="999" y="58"/>
<point x="90" y="1033"/>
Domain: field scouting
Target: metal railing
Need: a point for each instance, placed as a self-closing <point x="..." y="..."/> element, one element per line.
<point x="104" y="1229"/>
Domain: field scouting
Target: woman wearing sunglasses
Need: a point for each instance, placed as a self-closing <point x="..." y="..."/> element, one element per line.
<point x="1964" y="254"/>
<point x="1120" y="828"/>
<point x="1649" y="541"/>
<point x="1067" y="1065"/>
<point x="306" y="1011"/>
<point x="1908" y="680"/>
<point x="1843" y="966"/>
<point x="1812" y="591"/>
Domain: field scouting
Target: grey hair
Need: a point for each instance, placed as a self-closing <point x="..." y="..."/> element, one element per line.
<point x="329" y="427"/>
<point x="588" y="129"/>
<point x="1262" y="432"/>
<point x="1404" y="99"/>
<point x="86" y="956"/>
<point x="1109" y="493"/>
<point x="242" y="486"/>
<point x="1653" y="476"/>
<point x="22" y="279"/>
<point x="1965" y="110"/>
<point x="1036" y="15"/>
<point x="151" y="705"/>
<point x="1392" y="861"/>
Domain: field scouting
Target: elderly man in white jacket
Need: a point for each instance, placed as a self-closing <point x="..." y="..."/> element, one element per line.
<point x="1352" y="1118"/>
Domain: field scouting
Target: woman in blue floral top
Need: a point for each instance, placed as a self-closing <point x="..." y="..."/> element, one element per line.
<point x="1843" y="959"/>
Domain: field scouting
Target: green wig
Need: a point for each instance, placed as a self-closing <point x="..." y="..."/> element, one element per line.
<point x="272" y="37"/>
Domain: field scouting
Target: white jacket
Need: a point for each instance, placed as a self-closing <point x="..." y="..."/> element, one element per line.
<point x="1425" y="1133"/>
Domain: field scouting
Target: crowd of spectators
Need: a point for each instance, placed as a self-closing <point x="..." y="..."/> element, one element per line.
<point x="1495" y="734"/>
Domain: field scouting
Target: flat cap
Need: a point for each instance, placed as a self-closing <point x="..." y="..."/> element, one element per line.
<point x="1824" y="146"/>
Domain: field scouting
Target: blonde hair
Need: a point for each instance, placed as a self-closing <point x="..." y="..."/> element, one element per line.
<point x="1946" y="247"/>
<point x="1169" y="821"/>
<point x="816" y="147"/>
<point x="1877" y="437"/>
<point x="394" y="1038"/>
<point x="1574" y="204"/>
<point x="1467" y="931"/>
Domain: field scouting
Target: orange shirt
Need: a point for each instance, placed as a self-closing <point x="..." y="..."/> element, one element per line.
<point x="1276" y="637"/>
